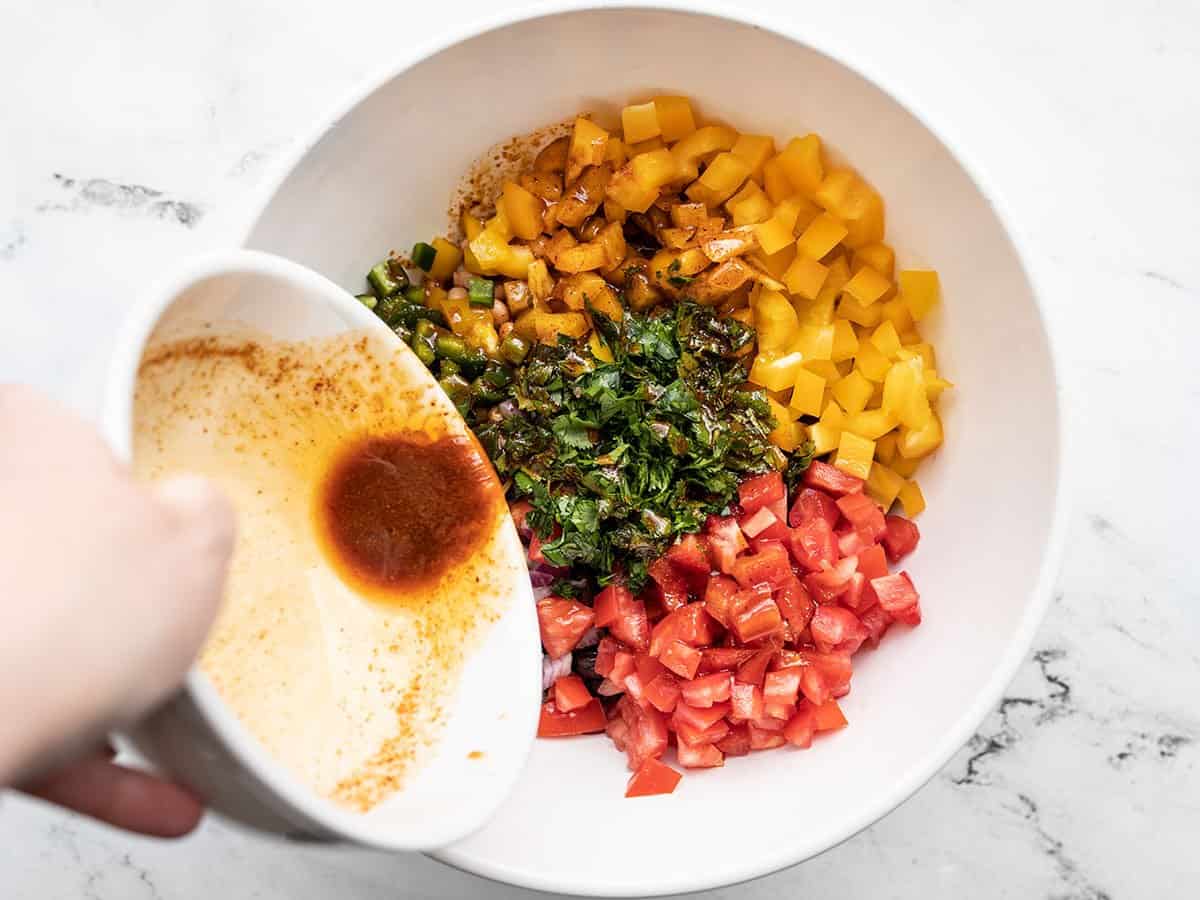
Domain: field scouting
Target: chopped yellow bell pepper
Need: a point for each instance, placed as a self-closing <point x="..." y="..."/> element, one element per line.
<point x="921" y="349"/>
<point x="490" y="248"/>
<point x="775" y="372"/>
<point x="675" y="119"/>
<point x="704" y="140"/>
<point x="654" y="169"/>
<point x="773" y="235"/>
<point x="902" y="465"/>
<point x="822" y="235"/>
<point x="750" y="205"/>
<point x="917" y="444"/>
<point x="805" y="276"/>
<point x="776" y="264"/>
<point x="935" y="384"/>
<point x="549" y="326"/>
<point x="845" y="341"/>
<point x="624" y="189"/>
<point x="920" y="290"/>
<point x="896" y="312"/>
<point x="589" y="147"/>
<point x="515" y="263"/>
<point x="775" y="181"/>
<point x="878" y="256"/>
<point x="871" y="423"/>
<point x="912" y="499"/>
<point x="522" y="210"/>
<point x="824" y="368"/>
<point x="599" y="349"/>
<point x="724" y="175"/>
<point x="776" y="322"/>
<point x="886" y="340"/>
<point x="854" y="455"/>
<point x="818" y="311"/>
<point x="788" y="434"/>
<point x="853" y="392"/>
<point x="904" y="394"/>
<point x="446" y="259"/>
<point x="839" y="274"/>
<point x="867" y="286"/>
<point x="873" y="364"/>
<point x="808" y="393"/>
<point x="639" y="121"/>
<point x="885" y="447"/>
<point x="868" y="316"/>
<point x="814" y="341"/>
<point x="801" y="162"/>
<point x="755" y="149"/>
<point x="616" y="152"/>
<point x="883" y="485"/>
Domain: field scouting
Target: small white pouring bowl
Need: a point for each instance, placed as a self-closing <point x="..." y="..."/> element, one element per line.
<point x="196" y="738"/>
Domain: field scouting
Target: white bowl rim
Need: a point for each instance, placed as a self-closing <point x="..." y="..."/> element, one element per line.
<point x="842" y="52"/>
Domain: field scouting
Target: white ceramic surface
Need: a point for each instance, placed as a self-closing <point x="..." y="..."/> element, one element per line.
<point x="194" y="736"/>
<point x="360" y="190"/>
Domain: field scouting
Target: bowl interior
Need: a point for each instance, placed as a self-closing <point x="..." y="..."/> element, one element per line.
<point x="381" y="178"/>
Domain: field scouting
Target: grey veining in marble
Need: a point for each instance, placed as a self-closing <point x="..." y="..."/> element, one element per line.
<point x="151" y="120"/>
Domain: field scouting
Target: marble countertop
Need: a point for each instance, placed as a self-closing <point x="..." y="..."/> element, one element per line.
<point x="130" y="126"/>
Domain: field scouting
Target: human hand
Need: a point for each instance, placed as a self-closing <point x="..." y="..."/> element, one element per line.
<point x="108" y="589"/>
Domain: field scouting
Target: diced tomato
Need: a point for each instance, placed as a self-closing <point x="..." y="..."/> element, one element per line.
<point x="757" y="522"/>
<point x="795" y="604"/>
<point x="606" y="652"/>
<point x="746" y="701"/>
<point x="723" y="659"/>
<point x="776" y="712"/>
<point x="780" y="508"/>
<point x="876" y="621"/>
<point x="895" y="592"/>
<point x="851" y="542"/>
<point x="680" y="659"/>
<point x="782" y="686"/>
<point x="835" y="667"/>
<point x="861" y="512"/>
<point x="624" y="664"/>
<point x="829" y="716"/>
<point x="827" y="585"/>
<point x="647" y="731"/>
<point x="652" y="777"/>
<point x="586" y="720"/>
<point x="695" y="626"/>
<point x="535" y="548"/>
<point x="833" y="626"/>
<point x="717" y="597"/>
<point x="633" y="686"/>
<point x="607" y="604"/>
<point x="754" y="669"/>
<point x="900" y="537"/>
<point x="690" y="556"/>
<point x="662" y="692"/>
<point x="698" y="756"/>
<point x="736" y="742"/>
<point x="813" y="504"/>
<point x="872" y="562"/>
<point x="706" y="690"/>
<point x="812" y="545"/>
<point x="672" y="586"/>
<point x="761" y="490"/>
<point x="831" y="479"/>
<point x="762" y="739"/>
<point x="519" y="510"/>
<point x="855" y="596"/>
<point x="629" y="624"/>
<point x="813" y="687"/>
<point x="562" y="623"/>
<point x="910" y="615"/>
<point x="700" y="718"/>
<point x="725" y="541"/>
<point x="618" y="731"/>
<point x="571" y="693"/>
<point x="686" y="733"/>
<point x="648" y="668"/>
<point x="800" y="728"/>
<point x="755" y="615"/>
<point x="770" y="564"/>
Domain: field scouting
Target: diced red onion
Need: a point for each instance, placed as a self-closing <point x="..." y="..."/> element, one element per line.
<point x="554" y="669"/>
<point x="590" y="638"/>
<point x="609" y="689"/>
